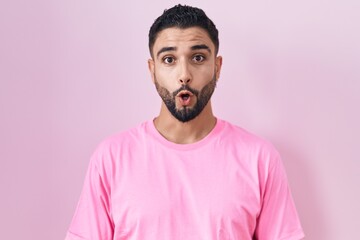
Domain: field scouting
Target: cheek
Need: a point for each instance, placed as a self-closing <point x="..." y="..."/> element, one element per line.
<point x="202" y="77"/>
<point x="166" y="78"/>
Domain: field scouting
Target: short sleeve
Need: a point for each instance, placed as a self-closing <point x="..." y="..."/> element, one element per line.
<point x="278" y="219"/>
<point x="92" y="219"/>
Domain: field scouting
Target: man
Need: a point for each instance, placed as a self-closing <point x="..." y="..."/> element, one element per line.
<point x="186" y="174"/>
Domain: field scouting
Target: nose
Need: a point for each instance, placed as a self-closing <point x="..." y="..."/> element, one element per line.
<point x="185" y="74"/>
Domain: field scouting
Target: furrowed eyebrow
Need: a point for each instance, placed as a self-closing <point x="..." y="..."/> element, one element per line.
<point x="201" y="46"/>
<point x="165" y="49"/>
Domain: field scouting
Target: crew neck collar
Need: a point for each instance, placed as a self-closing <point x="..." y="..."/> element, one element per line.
<point x="190" y="146"/>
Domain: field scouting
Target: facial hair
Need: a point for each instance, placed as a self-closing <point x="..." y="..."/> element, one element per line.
<point x="185" y="114"/>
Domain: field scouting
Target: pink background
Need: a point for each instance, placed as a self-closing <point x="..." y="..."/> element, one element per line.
<point x="74" y="72"/>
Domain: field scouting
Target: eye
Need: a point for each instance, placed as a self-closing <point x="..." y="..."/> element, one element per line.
<point x="168" y="60"/>
<point x="198" y="58"/>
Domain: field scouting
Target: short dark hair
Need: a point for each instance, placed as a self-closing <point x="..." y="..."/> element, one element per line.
<point x="183" y="17"/>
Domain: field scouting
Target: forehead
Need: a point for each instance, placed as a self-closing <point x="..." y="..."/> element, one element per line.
<point x="175" y="37"/>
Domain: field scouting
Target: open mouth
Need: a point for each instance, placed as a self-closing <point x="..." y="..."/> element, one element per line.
<point x="185" y="97"/>
<point x="184" y="94"/>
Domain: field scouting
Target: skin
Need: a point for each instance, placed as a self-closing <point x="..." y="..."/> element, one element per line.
<point x="184" y="57"/>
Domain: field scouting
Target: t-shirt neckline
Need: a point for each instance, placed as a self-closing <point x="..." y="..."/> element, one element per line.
<point x="190" y="146"/>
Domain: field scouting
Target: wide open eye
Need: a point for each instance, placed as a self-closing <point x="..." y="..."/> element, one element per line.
<point x="168" y="60"/>
<point x="198" y="58"/>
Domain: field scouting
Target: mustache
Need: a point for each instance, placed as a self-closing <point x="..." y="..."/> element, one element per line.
<point x="187" y="88"/>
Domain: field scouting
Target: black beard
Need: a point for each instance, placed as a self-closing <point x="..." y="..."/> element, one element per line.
<point x="186" y="114"/>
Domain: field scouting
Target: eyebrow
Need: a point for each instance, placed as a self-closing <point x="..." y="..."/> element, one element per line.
<point x="201" y="46"/>
<point x="195" y="47"/>
<point x="165" y="49"/>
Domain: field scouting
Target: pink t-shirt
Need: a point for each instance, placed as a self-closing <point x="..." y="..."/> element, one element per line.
<point x="230" y="185"/>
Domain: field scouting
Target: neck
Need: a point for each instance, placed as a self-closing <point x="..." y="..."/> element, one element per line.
<point x="185" y="133"/>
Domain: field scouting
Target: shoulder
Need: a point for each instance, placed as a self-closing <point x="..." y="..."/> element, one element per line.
<point x="119" y="144"/>
<point x="126" y="138"/>
<point x="242" y="137"/>
<point x="248" y="144"/>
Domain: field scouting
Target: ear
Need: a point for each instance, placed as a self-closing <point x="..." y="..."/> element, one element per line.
<point x="151" y="66"/>
<point x="218" y="64"/>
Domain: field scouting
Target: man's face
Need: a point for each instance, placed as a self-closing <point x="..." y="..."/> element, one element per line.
<point x="184" y="69"/>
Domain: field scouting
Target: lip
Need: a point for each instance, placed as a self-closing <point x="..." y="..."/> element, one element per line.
<point x="184" y="92"/>
<point x="183" y="101"/>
